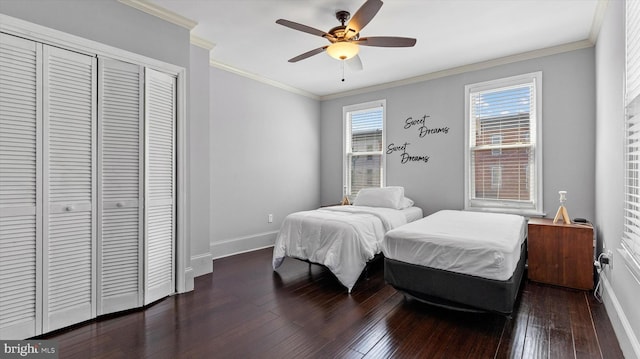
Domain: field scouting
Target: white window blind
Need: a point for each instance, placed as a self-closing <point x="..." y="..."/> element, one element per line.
<point x="502" y="144"/>
<point x="364" y="135"/>
<point x="631" y="235"/>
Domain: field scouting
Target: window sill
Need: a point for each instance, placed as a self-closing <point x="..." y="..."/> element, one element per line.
<point x="522" y="212"/>
<point x="630" y="263"/>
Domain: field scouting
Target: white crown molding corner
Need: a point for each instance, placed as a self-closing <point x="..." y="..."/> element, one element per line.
<point x="202" y="42"/>
<point x="162" y="13"/>
<point x="264" y="80"/>
<point x="598" y="19"/>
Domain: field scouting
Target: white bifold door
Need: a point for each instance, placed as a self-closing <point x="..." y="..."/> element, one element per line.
<point x="69" y="187"/>
<point x="160" y="114"/>
<point x="47" y="187"/>
<point x="20" y="188"/>
<point x="121" y="186"/>
<point x="87" y="187"/>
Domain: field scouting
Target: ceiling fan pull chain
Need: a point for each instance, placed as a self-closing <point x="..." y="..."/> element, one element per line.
<point x="342" y="64"/>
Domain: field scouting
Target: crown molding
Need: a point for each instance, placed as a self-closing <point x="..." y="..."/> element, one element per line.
<point x="572" y="46"/>
<point x="202" y="42"/>
<point x="264" y="80"/>
<point x="158" y="11"/>
<point x="598" y="18"/>
<point x="467" y="68"/>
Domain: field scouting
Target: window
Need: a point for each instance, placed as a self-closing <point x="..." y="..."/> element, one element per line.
<point x="631" y="234"/>
<point x="503" y="153"/>
<point x="363" y="143"/>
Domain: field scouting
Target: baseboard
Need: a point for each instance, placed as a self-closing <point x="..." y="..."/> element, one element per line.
<point x="188" y="279"/>
<point x="239" y="245"/>
<point x="628" y="341"/>
<point x="202" y="264"/>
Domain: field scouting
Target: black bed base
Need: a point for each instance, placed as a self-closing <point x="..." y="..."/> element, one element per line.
<point x="455" y="290"/>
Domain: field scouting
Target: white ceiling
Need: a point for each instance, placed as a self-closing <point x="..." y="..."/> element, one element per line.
<point x="449" y="33"/>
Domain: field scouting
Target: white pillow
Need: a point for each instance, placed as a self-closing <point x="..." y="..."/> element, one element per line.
<point x="389" y="197"/>
<point x="406" y="203"/>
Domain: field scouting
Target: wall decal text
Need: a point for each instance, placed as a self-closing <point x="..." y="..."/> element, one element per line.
<point x="405" y="156"/>
<point x="423" y="130"/>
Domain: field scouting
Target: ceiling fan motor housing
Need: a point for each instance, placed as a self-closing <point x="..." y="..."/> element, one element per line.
<point x="338" y="32"/>
<point x="343" y="16"/>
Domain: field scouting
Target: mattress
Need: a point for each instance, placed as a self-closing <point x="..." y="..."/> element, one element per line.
<point x="342" y="238"/>
<point x="486" y="245"/>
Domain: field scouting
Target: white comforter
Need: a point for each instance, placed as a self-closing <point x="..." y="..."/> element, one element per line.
<point x="342" y="238"/>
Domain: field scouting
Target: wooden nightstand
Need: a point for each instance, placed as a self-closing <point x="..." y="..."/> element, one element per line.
<point x="560" y="254"/>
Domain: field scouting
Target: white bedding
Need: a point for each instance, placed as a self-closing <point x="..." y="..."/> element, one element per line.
<point x="342" y="238"/>
<point x="486" y="245"/>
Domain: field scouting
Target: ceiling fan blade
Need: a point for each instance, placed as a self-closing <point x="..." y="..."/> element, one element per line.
<point x="308" y="54"/>
<point x="355" y="63"/>
<point x="362" y="17"/>
<point x="303" y="28"/>
<point x="386" y="41"/>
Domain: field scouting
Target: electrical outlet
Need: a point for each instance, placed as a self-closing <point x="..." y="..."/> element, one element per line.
<point x="606" y="259"/>
<point x="270" y="218"/>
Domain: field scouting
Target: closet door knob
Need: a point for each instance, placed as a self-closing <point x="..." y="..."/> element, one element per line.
<point x="68" y="208"/>
<point x="119" y="204"/>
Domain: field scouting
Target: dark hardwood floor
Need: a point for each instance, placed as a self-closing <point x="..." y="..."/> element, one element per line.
<point x="246" y="310"/>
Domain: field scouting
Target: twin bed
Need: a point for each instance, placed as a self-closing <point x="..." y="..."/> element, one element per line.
<point x="459" y="259"/>
<point x="345" y="238"/>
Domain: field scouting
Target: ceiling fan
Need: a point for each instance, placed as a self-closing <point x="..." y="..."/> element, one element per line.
<point x="345" y="39"/>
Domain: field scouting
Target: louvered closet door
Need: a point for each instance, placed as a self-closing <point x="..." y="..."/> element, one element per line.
<point x="120" y="188"/>
<point x="20" y="188"/>
<point x="160" y="109"/>
<point x="69" y="188"/>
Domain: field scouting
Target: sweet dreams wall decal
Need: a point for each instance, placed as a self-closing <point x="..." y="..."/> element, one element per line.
<point x="423" y="130"/>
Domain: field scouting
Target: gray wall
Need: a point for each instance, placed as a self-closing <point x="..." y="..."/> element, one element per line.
<point x="265" y="156"/>
<point x="198" y="157"/>
<point x="568" y="134"/>
<point x="108" y="22"/>
<point x="621" y="290"/>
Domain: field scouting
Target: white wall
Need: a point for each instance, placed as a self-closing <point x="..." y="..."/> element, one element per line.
<point x="568" y="134"/>
<point x="621" y="289"/>
<point x="265" y="156"/>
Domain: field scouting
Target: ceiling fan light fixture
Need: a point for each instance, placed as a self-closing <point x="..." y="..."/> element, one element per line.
<point x="343" y="50"/>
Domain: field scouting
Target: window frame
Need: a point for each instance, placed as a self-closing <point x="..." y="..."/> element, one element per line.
<point x="630" y="241"/>
<point x="507" y="206"/>
<point x="496" y="176"/>
<point x="347" y="154"/>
